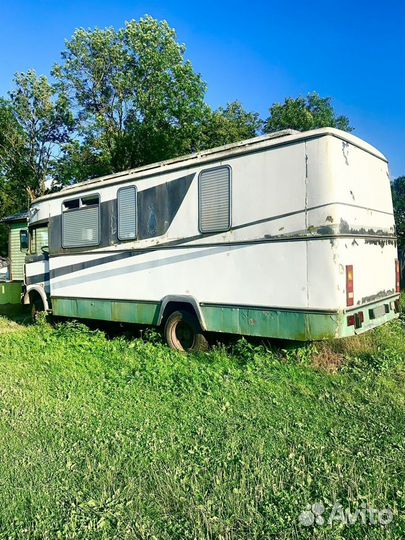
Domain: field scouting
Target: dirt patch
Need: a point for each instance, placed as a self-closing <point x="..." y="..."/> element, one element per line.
<point x="327" y="359"/>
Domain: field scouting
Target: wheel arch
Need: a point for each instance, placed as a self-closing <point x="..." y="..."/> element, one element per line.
<point x="33" y="290"/>
<point x="172" y="302"/>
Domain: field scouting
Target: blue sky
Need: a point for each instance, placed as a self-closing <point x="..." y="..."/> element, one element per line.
<point x="258" y="52"/>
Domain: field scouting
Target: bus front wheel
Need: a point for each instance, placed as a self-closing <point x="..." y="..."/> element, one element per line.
<point x="37" y="307"/>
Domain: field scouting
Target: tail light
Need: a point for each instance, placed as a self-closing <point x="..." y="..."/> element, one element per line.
<point x="349" y="285"/>
<point x="356" y="320"/>
<point x="397" y="278"/>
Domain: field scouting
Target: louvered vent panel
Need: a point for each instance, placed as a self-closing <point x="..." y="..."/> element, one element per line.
<point x="127" y="213"/>
<point x="80" y="227"/>
<point x="215" y="200"/>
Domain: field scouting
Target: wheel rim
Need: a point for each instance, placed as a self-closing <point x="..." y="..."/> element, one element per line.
<point x="183" y="336"/>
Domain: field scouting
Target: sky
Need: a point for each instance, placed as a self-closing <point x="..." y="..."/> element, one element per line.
<point x="257" y="52"/>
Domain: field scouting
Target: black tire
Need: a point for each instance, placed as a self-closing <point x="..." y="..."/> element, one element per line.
<point x="37" y="307"/>
<point x="183" y="333"/>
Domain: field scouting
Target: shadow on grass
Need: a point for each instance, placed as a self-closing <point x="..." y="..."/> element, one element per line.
<point x="15" y="315"/>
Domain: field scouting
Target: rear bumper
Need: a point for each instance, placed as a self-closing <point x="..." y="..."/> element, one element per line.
<point x="362" y="318"/>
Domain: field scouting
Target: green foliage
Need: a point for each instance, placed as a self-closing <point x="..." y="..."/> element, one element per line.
<point x="44" y="122"/>
<point x="13" y="169"/>
<point x="398" y="198"/>
<point x="152" y="335"/>
<point x="115" y="438"/>
<point x="136" y="98"/>
<point x="35" y="122"/>
<point x="228" y="125"/>
<point x="304" y="114"/>
<point x="387" y="350"/>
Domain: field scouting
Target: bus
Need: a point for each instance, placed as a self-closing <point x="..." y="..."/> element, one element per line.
<point x="289" y="235"/>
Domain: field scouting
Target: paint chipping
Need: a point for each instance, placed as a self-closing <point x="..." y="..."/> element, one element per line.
<point x="325" y="231"/>
<point x="344" y="227"/>
<point x="345" y="151"/>
<point x="377" y="296"/>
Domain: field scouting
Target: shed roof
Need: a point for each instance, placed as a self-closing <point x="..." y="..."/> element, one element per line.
<point x="20" y="216"/>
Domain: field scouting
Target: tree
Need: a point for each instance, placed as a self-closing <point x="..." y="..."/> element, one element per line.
<point x="303" y="114"/>
<point x="35" y="123"/>
<point x="13" y="196"/>
<point x="398" y="198"/>
<point x="228" y="125"/>
<point x="135" y="97"/>
<point x="39" y="123"/>
<point x="13" y="165"/>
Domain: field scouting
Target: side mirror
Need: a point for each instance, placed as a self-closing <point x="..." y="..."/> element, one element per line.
<point x="24" y="240"/>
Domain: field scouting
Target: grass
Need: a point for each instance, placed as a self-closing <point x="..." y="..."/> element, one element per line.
<point x="122" y="438"/>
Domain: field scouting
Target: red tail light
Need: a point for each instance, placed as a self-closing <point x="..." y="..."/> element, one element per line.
<point x="397" y="277"/>
<point x="349" y="285"/>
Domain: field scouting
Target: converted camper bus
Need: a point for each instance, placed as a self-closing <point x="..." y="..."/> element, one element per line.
<point x="290" y="235"/>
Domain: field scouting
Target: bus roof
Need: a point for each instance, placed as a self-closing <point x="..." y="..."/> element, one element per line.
<point x="279" y="138"/>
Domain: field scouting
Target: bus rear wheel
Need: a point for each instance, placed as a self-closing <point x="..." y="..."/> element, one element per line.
<point x="183" y="333"/>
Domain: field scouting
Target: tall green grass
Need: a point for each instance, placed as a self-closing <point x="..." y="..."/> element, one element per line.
<point x="118" y="438"/>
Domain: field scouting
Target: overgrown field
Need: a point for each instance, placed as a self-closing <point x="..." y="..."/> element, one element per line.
<point x="123" y="438"/>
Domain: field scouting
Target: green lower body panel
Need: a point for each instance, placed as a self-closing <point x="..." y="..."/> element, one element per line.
<point x="249" y="321"/>
<point x="294" y="325"/>
<point x="275" y="323"/>
<point x="106" y="310"/>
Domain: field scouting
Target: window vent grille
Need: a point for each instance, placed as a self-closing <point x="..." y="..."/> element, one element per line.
<point x="215" y="200"/>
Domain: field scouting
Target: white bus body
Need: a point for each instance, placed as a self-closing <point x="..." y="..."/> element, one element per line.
<point x="289" y="235"/>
